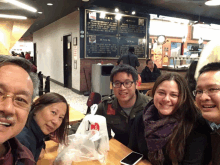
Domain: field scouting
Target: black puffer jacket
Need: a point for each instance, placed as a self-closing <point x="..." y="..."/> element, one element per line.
<point x="148" y="76"/>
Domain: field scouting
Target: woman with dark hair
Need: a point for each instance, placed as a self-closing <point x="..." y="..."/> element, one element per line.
<point x="190" y="76"/>
<point x="49" y="115"/>
<point x="171" y="130"/>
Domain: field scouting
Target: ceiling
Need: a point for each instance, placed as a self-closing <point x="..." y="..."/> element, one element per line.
<point x="189" y="9"/>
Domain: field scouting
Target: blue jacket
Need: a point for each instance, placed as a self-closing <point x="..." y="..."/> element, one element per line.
<point x="32" y="138"/>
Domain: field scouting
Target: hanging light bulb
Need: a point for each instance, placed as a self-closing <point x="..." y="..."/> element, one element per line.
<point x="118" y="16"/>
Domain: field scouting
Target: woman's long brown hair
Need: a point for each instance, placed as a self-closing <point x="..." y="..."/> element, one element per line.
<point x="185" y="112"/>
<point x="45" y="100"/>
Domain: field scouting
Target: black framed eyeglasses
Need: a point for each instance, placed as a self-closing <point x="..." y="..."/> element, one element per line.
<point x="210" y="92"/>
<point x="127" y="84"/>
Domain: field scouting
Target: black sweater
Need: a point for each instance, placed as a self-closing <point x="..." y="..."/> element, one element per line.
<point x="197" y="149"/>
<point x="148" y="76"/>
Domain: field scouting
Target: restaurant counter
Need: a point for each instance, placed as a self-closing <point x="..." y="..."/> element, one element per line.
<point x="182" y="71"/>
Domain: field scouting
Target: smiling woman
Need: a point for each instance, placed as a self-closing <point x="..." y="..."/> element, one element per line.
<point x="171" y="130"/>
<point x="49" y="115"/>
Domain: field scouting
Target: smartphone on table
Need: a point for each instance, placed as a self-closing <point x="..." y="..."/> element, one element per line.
<point x="132" y="158"/>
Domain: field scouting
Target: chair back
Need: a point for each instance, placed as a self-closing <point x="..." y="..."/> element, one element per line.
<point x="149" y="93"/>
<point x="94" y="98"/>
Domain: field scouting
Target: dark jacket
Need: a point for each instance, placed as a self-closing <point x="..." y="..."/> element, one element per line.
<point x="197" y="148"/>
<point x="129" y="59"/>
<point x="148" y="76"/>
<point x="20" y="154"/>
<point x="33" y="138"/>
<point x="215" y="138"/>
<point x="117" y="119"/>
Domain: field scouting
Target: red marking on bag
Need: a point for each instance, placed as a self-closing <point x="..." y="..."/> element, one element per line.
<point x="95" y="126"/>
<point x="110" y="110"/>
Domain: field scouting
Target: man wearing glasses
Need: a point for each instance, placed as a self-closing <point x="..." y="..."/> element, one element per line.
<point x="207" y="96"/>
<point x="18" y="87"/>
<point x="121" y="109"/>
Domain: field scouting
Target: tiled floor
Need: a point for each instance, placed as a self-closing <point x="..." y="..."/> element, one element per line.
<point x="76" y="101"/>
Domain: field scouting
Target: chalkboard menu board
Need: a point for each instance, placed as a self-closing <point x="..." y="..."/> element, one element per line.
<point x="107" y="37"/>
<point x="101" y="46"/>
<point x="137" y="43"/>
<point x="132" y="26"/>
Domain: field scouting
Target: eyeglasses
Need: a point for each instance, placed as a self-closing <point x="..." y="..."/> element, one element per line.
<point x="127" y="84"/>
<point x="18" y="101"/>
<point x="210" y="92"/>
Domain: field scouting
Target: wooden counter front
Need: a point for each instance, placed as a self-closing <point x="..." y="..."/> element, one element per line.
<point x="181" y="71"/>
<point x="117" y="152"/>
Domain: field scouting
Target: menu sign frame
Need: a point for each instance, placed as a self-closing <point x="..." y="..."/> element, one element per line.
<point x="108" y="38"/>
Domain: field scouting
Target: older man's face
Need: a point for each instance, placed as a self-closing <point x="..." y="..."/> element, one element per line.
<point x="17" y="86"/>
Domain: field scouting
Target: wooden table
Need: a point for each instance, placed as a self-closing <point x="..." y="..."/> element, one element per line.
<point x="143" y="86"/>
<point x="75" y="116"/>
<point x="117" y="152"/>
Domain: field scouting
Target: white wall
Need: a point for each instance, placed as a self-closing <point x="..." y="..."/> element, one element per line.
<point x="50" y="48"/>
<point x="23" y="46"/>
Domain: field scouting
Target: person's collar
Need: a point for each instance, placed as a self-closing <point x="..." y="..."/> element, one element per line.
<point x="7" y="150"/>
<point x="37" y="131"/>
<point x="129" y="53"/>
<point x="214" y="126"/>
<point x="20" y="151"/>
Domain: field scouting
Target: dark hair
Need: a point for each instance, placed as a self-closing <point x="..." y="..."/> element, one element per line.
<point x="131" y="49"/>
<point x="148" y="61"/>
<point x="26" y="65"/>
<point x="42" y="102"/>
<point x="13" y="53"/>
<point x="185" y="112"/>
<point x="214" y="66"/>
<point x="22" y="55"/>
<point x="190" y="76"/>
<point x="124" y="68"/>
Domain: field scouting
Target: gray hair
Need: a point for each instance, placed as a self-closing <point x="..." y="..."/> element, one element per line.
<point x="26" y="65"/>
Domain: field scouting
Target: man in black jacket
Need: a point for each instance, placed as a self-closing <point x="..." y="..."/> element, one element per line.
<point x="130" y="58"/>
<point x="150" y="73"/>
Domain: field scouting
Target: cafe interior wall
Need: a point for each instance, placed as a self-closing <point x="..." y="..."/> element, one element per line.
<point x="49" y="41"/>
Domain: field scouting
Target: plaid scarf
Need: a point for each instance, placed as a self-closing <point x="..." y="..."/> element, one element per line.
<point x="157" y="133"/>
